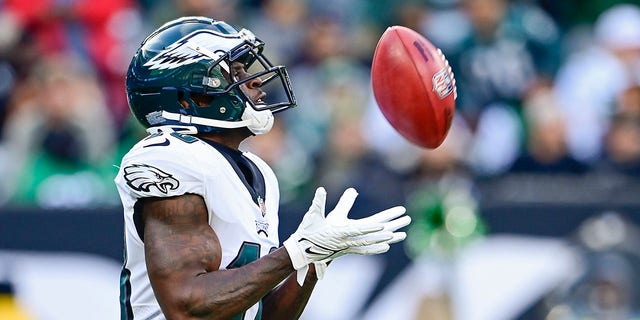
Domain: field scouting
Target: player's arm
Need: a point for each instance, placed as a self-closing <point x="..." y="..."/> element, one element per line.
<point x="183" y="256"/>
<point x="289" y="299"/>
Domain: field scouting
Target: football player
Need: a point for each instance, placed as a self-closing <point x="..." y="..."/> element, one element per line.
<point x="201" y="216"/>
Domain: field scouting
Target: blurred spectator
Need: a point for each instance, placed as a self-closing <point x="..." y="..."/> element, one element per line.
<point x="280" y="24"/>
<point x="60" y="137"/>
<point x="546" y="145"/>
<point x="162" y="11"/>
<point x="446" y="26"/>
<point x="18" y="54"/>
<point x="9" y="36"/>
<point x="322" y="64"/>
<point x="98" y="31"/>
<point x="590" y="80"/>
<point x="511" y="50"/>
<point x="445" y="166"/>
<point x="628" y="102"/>
<point x="497" y="140"/>
<point x="381" y="137"/>
<point x="347" y="162"/>
<point x="577" y="13"/>
<point x="607" y="286"/>
<point x="622" y="140"/>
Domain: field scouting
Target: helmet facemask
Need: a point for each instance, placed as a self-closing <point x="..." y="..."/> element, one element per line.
<point x="274" y="80"/>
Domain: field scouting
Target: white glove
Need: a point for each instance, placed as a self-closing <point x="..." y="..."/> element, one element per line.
<point x="392" y="219"/>
<point x="317" y="240"/>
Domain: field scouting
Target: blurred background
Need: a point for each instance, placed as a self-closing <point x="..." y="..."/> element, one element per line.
<point x="529" y="209"/>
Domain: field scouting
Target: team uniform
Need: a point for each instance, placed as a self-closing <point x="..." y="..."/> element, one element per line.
<point x="239" y="189"/>
<point x="197" y="75"/>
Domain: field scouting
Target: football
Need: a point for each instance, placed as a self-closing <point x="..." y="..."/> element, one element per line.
<point x="414" y="86"/>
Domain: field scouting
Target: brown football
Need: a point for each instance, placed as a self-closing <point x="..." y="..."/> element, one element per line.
<point x="414" y="86"/>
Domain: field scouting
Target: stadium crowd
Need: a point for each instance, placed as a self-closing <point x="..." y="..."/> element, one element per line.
<point x="548" y="91"/>
<point x="545" y="87"/>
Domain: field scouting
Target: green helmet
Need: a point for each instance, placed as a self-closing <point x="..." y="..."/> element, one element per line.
<point x="192" y="57"/>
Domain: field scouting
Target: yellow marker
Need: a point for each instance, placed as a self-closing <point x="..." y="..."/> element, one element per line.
<point x="11" y="310"/>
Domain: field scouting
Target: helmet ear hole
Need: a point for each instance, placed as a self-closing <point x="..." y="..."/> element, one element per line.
<point x="194" y="99"/>
<point x="182" y="100"/>
<point x="202" y="100"/>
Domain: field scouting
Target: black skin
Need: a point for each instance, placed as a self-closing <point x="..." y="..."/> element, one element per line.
<point x="183" y="256"/>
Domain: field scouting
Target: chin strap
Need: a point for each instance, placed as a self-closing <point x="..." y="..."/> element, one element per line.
<point x="258" y="122"/>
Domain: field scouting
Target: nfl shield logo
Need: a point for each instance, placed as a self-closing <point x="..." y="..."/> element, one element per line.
<point x="442" y="84"/>
<point x="263" y="208"/>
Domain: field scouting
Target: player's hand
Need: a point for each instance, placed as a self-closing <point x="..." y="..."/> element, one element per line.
<point x="392" y="219"/>
<point x="317" y="240"/>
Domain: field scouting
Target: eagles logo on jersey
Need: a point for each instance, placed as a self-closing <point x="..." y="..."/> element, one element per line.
<point x="142" y="177"/>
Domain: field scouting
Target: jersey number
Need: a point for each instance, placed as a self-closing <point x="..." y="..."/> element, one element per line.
<point x="249" y="252"/>
<point x="177" y="135"/>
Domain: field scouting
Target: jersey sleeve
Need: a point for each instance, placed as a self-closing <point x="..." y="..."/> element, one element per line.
<point x="160" y="171"/>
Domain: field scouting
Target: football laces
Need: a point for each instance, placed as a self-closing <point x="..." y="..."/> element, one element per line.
<point x="450" y="71"/>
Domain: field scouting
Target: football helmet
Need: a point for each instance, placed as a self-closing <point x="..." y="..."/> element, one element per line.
<point x="193" y="57"/>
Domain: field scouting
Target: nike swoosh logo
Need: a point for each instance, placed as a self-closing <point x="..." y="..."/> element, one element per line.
<point x="166" y="142"/>
<point x="317" y="249"/>
<point x="308" y="250"/>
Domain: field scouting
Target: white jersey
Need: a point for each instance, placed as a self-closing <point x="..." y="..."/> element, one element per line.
<point x="243" y="213"/>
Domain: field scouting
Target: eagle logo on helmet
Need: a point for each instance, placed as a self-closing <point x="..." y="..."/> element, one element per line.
<point x="184" y="51"/>
<point x="141" y="177"/>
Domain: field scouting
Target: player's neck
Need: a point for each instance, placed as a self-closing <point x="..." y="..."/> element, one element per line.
<point x="230" y="138"/>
